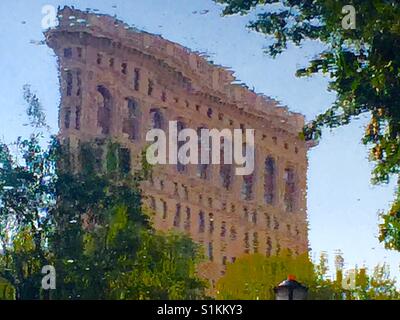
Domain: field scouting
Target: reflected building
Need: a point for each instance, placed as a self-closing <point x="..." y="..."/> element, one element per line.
<point x="117" y="83"/>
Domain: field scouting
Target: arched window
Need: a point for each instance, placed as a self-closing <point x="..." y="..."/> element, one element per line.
<point x="104" y="113"/>
<point x="269" y="180"/>
<point x="290" y="190"/>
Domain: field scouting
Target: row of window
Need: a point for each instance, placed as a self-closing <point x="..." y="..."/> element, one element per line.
<point x="136" y="83"/>
<point x="183" y="219"/>
<point x="250" y="246"/>
<point x="131" y="127"/>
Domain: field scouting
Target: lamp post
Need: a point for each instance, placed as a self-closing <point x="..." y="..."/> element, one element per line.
<point x="290" y="289"/>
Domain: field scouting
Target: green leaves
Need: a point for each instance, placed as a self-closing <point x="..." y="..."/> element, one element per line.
<point x="363" y="65"/>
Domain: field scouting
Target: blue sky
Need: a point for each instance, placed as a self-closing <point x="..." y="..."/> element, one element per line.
<point x="342" y="205"/>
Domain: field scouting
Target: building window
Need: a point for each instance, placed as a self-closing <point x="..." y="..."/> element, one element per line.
<point x="290" y="190"/>
<point x="188" y="219"/>
<point x="224" y="259"/>
<point x="201" y="222"/>
<point x="157" y="119"/>
<point x="150" y="87"/>
<point x="255" y="242"/>
<point x="177" y="218"/>
<point x="276" y="223"/>
<point x="78" y="117"/>
<point x="181" y="168"/>
<point x="68" y="53"/>
<point x="99" y="58"/>
<point x="233" y="233"/>
<point x="211" y="223"/>
<point x="111" y="62"/>
<point x="164" y="209"/>
<point x="225" y="170"/>
<point x="67" y="119"/>
<point x="136" y="79"/>
<point x="124" y="68"/>
<point x="267" y="221"/>
<point x="79" y="51"/>
<point x="254" y="217"/>
<point x="69" y="83"/>
<point x="278" y="249"/>
<point x="210" y="251"/>
<point x="132" y="122"/>
<point x="163" y="96"/>
<point x="247" y="187"/>
<point x="223" y="229"/>
<point x="269" y="180"/>
<point x="246" y="242"/>
<point x="104" y="112"/>
<point x="185" y="193"/>
<point x="78" y="83"/>
<point x="246" y="214"/>
<point x="152" y="203"/>
<point x="203" y="169"/>
<point x="176" y="191"/>
<point x="209" y="112"/>
<point x="268" y="250"/>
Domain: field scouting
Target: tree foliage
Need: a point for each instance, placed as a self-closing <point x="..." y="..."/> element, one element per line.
<point x="108" y="248"/>
<point x="65" y="207"/>
<point x="363" y="65"/>
<point x="27" y="184"/>
<point x="253" y="277"/>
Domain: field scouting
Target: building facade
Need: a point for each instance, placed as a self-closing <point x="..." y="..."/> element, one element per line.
<point x="118" y="82"/>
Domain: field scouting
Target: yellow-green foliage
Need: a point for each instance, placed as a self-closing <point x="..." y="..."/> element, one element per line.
<point x="253" y="277"/>
<point x="7" y="291"/>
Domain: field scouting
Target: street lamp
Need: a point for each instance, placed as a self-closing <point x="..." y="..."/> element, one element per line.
<point x="290" y="289"/>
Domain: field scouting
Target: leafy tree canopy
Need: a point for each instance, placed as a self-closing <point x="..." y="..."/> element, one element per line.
<point x="363" y="65"/>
